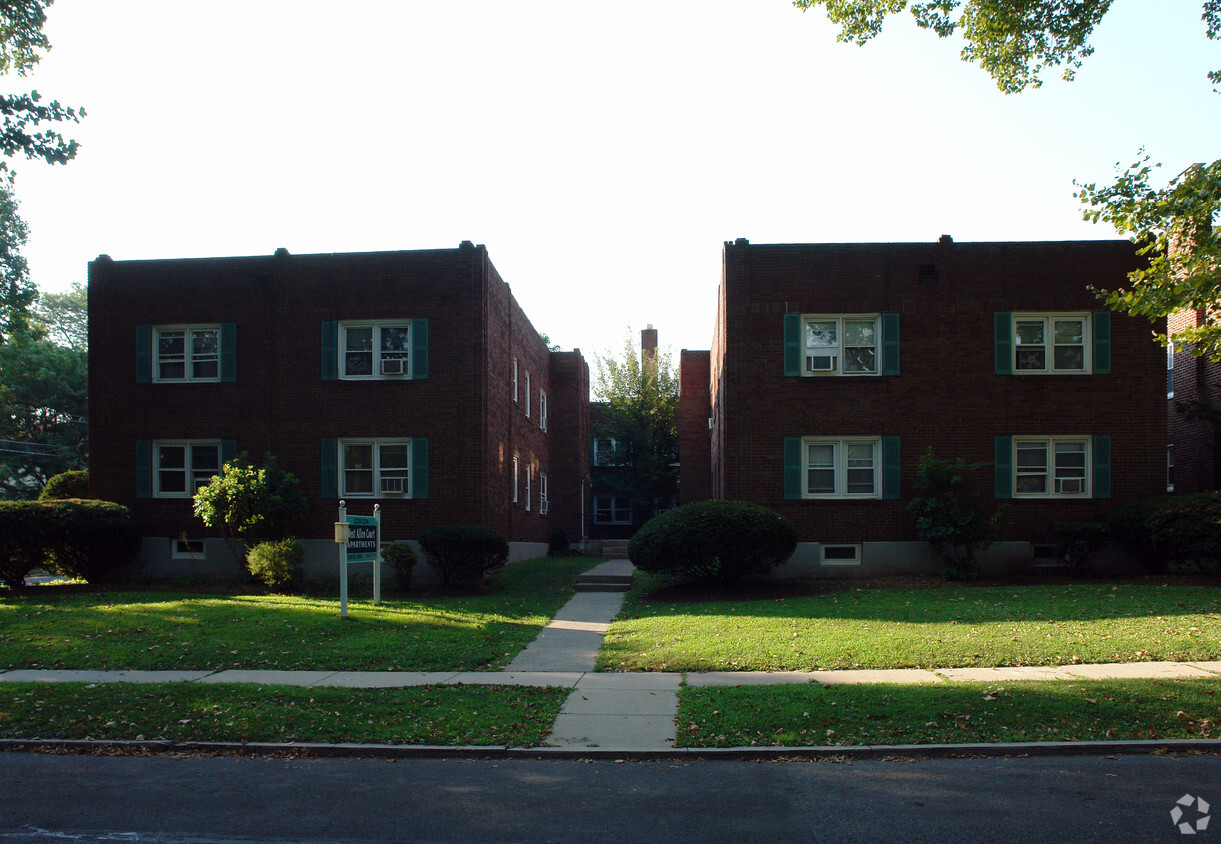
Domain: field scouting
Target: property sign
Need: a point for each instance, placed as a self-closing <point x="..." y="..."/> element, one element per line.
<point x="362" y="539"/>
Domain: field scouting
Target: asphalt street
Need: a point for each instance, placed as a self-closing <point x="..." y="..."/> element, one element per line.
<point x="243" y="799"/>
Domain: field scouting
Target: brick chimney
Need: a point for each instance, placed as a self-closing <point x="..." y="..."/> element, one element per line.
<point x="648" y="343"/>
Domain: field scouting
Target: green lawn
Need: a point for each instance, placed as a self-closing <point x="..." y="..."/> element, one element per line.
<point x="49" y="627"/>
<point x="932" y="627"/>
<point x="443" y="715"/>
<point x="950" y="713"/>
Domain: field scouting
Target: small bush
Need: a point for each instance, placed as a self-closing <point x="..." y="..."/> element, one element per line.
<point x="464" y="554"/>
<point x="1182" y="529"/>
<point x="71" y="484"/>
<point x="251" y="503"/>
<point x="713" y="540"/>
<point x="277" y="564"/>
<point x="401" y="558"/>
<point x="1078" y="543"/>
<point x="559" y="545"/>
<point x="951" y="517"/>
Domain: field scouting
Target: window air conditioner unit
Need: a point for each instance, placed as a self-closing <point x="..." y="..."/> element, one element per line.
<point x="392" y="485"/>
<point x="393" y="366"/>
<point x="820" y="363"/>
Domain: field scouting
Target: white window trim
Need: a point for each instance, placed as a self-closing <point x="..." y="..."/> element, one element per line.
<point x="529" y="490"/>
<point x="838" y="371"/>
<point x="515" y="398"/>
<point x="377" y="443"/>
<point x="186" y="358"/>
<point x="515" y="479"/>
<point x="189" y="446"/>
<point x="1087" y="340"/>
<point x="542" y="410"/>
<point x="610" y="456"/>
<point x="543" y="500"/>
<point x="1170" y="467"/>
<point x="839" y="561"/>
<point x="180" y="549"/>
<point x="615" y="519"/>
<point x="1170" y="369"/>
<point x="1051" y="442"/>
<point x="841" y="468"/>
<point x="528" y="400"/>
<point x="377" y="325"/>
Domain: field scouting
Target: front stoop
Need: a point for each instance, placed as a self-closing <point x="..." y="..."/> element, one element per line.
<point x="613" y="576"/>
<point x="615" y="549"/>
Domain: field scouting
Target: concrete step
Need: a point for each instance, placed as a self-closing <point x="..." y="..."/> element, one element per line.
<point x="603" y="587"/>
<point x="615" y="549"/>
<point x="607" y="577"/>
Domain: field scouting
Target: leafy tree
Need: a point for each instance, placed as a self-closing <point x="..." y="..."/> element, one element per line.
<point x="64" y="317"/>
<point x="640" y="395"/>
<point x="251" y="503"/>
<point x="42" y="413"/>
<point x="951" y="517"/>
<point x="1174" y="226"/>
<point x="17" y="292"/>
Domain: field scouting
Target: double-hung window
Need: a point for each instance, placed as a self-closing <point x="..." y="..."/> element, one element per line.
<point x="375" y="467"/>
<point x="542" y="410"/>
<point x="604" y="452"/>
<point x="544" y="503"/>
<point x="527" y="395"/>
<point x="376" y="349"/>
<point x="1051" y="466"/>
<point x="187" y="353"/>
<point x="1051" y="343"/>
<point x="529" y="491"/>
<point x="612" y="510"/>
<point x="841" y="345"/>
<point x="181" y="468"/>
<point x="516" y="466"/>
<point x="847" y="468"/>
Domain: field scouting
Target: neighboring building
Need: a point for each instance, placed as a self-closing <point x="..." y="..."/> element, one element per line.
<point x="411" y="379"/>
<point x="1193" y="396"/>
<point x="835" y="366"/>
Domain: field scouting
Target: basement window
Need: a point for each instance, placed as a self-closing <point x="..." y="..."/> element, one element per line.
<point x="839" y="555"/>
<point x="188" y="549"/>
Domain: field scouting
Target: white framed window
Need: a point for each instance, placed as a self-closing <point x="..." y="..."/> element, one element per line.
<point x="842" y="468"/>
<point x="182" y="467"/>
<point x="375" y="468"/>
<point x="515" y="399"/>
<point x="544" y="503"/>
<point x="1051" y="344"/>
<point x="1170" y="468"/>
<point x="841" y="344"/>
<point x="515" y="479"/>
<point x="375" y="350"/>
<point x="187" y="549"/>
<point x="604" y="452"/>
<point x="1170" y="370"/>
<point x="612" y="510"/>
<point x="527" y="395"/>
<point x="839" y="555"/>
<point x="529" y="491"/>
<point x="1056" y="467"/>
<point x="542" y="410"/>
<point x="186" y="353"/>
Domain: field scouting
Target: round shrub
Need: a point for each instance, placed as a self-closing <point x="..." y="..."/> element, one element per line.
<point x="71" y="484"/>
<point x="713" y="540"/>
<point x="464" y="554"/>
<point x="24" y="540"/>
<point x="277" y="564"/>
<point x="401" y="558"/>
<point x="559" y="545"/>
<point x="89" y="539"/>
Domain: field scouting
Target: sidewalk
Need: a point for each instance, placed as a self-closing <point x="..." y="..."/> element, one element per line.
<point x="612" y="710"/>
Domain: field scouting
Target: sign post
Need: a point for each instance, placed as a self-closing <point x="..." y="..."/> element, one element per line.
<point x="359" y="539"/>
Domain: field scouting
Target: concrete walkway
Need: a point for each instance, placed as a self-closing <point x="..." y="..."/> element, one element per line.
<point x="613" y="710"/>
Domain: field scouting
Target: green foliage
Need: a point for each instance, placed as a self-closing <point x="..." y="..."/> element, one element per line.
<point x="71" y="484"/>
<point x="1180" y="530"/>
<point x="1078" y="543"/>
<point x="64" y="317"/>
<point x="951" y="517"/>
<point x="17" y="292"/>
<point x="82" y="538"/>
<point x="713" y="540"/>
<point x="640" y="413"/>
<point x="401" y="558"/>
<point x="277" y="564"/>
<point x="559" y="544"/>
<point x="1174" y="229"/>
<point x="464" y="554"/>
<point x="251" y="503"/>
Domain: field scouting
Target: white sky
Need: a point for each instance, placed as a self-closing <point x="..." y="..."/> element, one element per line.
<point x="602" y="152"/>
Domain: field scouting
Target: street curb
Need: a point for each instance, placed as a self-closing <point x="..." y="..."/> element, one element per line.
<point x="634" y="754"/>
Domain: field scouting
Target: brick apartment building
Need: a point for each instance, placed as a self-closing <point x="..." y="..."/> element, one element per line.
<point x="410" y="379"/>
<point x="835" y="366"/>
<point x="1193" y="396"/>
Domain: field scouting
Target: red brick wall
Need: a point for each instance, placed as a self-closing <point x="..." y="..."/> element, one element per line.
<point x="947" y="395"/>
<point x="1197" y="383"/>
<point x="570" y="433"/>
<point x="694" y="436"/>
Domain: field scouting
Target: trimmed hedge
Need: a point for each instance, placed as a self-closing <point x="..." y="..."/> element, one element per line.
<point x="277" y="564"/>
<point x="713" y="540"/>
<point x="1183" y="529"/>
<point x="464" y="554"/>
<point x="70" y="484"/>
<point x="76" y="537"/>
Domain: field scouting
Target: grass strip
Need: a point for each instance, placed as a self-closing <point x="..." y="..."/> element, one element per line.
<point x="518" y="716"/>
<point x="948" y="713"/>
<point x="46" y="627"/>
<point x="934" y="627"/>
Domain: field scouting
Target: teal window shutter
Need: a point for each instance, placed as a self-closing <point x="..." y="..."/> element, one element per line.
<point x="792" y="344"/>
<point x="228" y="451"/>
<point x="330" y="351"/>
<point x="1003" y="328"/>
<point x="419" y="467"/>
<point x="330" y="469"/>
<point x="144" y="469"/>
<point x="1102" y="342"/>
<point x="1102" y="467"/>
<point x="792" y="468"/>
<point x="1004" y="467"/>
<point x="228" y="351"/>
<point x="144" y="354"/>
<point x="890" y="468"/>
<point x="890" y="344"/>
<point x="419" y="350"/>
